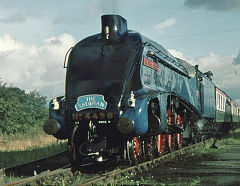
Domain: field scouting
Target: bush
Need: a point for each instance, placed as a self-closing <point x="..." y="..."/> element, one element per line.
<point x="20" y="110"/>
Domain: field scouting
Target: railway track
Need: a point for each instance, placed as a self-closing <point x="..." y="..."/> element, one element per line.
<point x="53" y="162"/>
<point x="64" y="176"/>
<point x="109" y="177"/>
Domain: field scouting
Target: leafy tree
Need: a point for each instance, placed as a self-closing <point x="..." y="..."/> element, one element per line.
<point x="20" y="110"/>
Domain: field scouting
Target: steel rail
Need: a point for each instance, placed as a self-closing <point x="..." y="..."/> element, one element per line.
<point x="109" y="176"/>
<point x="38" y="166"/>
<point x="141" y="167"/>
<point x="40" y="178"/>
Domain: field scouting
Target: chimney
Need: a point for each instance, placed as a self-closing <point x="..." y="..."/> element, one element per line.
<point x="114" y="28"/>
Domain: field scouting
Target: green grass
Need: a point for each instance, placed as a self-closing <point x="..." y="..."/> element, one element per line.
<point x="21" y="148"/>
<point x="6" y="179"/>
<point x="151" y="180"/>
<point x="232" y="139"/>
<point x="17" y="157"/>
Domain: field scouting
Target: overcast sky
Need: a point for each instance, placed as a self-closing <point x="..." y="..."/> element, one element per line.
<point x="36" y="34"/>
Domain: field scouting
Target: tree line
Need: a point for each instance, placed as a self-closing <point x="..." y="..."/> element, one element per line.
<point x="20" y="110"/>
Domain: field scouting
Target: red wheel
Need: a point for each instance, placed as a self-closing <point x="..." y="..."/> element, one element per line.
<point x="169" y="136"/>
<point x="179" y="140"/>
<point x="161" y="144"/>
<point x="134" y="150"/>
<point x="174" y="140"/>
<point x="179" y="135"/>
<point x="170" y="142"/>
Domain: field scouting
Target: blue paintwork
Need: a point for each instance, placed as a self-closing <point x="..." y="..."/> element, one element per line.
<point x="149" y="93"/>
<point x="139" y="116"/>
<point x="63" y="132"/>
<point x="57" y="116"/>
<point x="171" y="78"/>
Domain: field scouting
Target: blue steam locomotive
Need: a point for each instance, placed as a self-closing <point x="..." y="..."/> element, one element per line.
<point x="128" y="97"/>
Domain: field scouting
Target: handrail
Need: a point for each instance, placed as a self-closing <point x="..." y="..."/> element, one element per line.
<point x="64" y="64"/>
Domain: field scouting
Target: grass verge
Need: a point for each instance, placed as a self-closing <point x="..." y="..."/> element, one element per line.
<point x="22" y="148"/>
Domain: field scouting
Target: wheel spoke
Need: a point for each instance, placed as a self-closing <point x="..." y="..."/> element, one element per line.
<point x="179" y="135"/>
<point x="160" y="144"/>
<point x="134" y="150"/>
<point x="179" y="140"/>
<point x="170" y="142"/>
